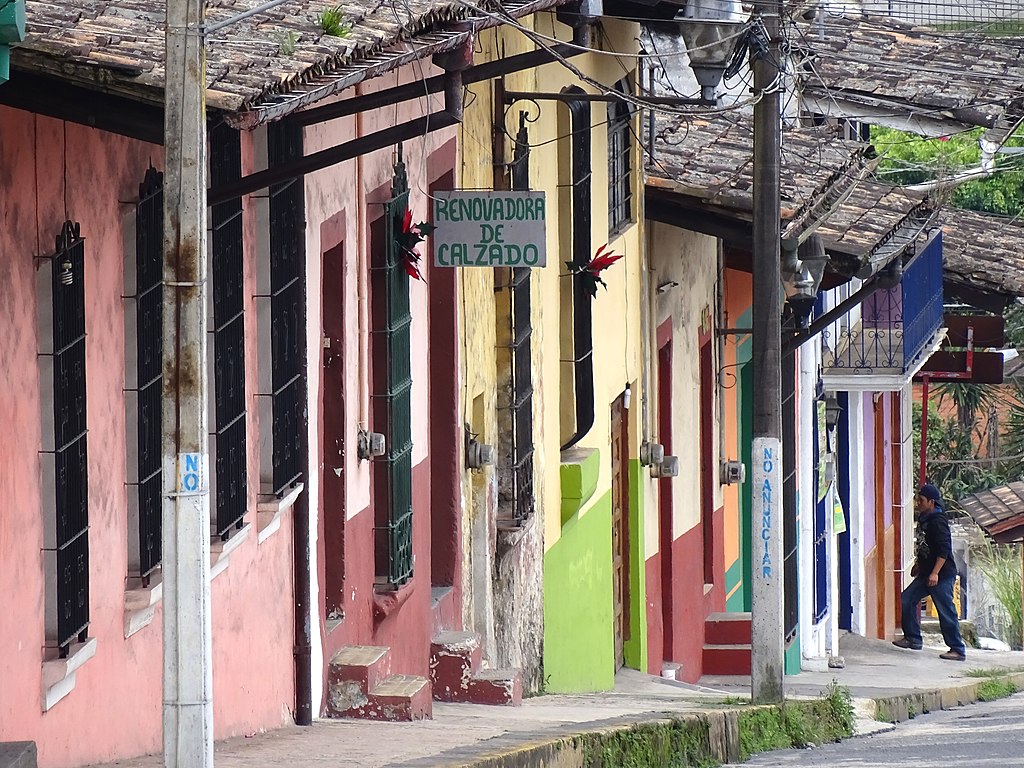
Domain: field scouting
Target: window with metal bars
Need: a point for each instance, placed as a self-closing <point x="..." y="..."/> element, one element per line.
<point x="228" y="336"/>
<point x="519" y="496"/>
<point x="148" y="384"/>
<point x="287" y="306"/>
<point x="620" y="163"/>
<point x="68" y="540"/>
<point x="392" y="408"/>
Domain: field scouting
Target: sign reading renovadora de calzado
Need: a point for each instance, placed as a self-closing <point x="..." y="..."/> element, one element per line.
<point x="489" y="229"/>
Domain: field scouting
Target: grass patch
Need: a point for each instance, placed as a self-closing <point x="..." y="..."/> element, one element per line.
<point x="991" y="689"/>
<point x="678" y="744"/>
<point x="332" y="22"/>
<point x="994" y="672"/>
<point x="797" y="723"/>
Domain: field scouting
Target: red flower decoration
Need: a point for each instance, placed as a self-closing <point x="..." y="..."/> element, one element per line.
<point x="590" y="272"/>
<point x="410" y="236"/>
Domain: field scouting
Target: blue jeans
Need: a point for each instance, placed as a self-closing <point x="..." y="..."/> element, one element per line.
<point x="942" y="597"/>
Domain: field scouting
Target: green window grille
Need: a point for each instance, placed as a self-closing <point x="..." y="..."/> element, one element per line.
<point x="393" y="391"/>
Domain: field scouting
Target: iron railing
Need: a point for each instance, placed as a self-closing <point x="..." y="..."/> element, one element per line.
<point x="228" y="335"/>
<point x="287" y="306"/>
<point x="149" y="237"/>
<point x="393" y="398"/>
<point x="69" y="424"/>
<point x="519" y="498"/>
<point x="895" y="324"/>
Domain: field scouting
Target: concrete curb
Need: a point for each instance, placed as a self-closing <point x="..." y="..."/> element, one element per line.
<point x="566" y="746"/>
<point x="904" y="706"/>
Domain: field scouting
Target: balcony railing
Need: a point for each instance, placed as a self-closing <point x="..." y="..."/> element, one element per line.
<point x="897" y="330"/>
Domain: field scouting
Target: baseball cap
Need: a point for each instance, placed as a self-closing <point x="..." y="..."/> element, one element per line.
<point x="929" y="491"/>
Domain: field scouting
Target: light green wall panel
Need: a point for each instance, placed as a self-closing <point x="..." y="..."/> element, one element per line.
<point x="635" y="648"/>
<point x="578" y="650"/>
<point x="791" y="663"/>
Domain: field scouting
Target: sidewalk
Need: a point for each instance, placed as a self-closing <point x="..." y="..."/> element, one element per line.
<point x="468" y="735"/>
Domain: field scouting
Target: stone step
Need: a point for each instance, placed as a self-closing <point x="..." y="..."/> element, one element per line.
<point x="363" y="666"/>
<point x="727" y="628"/>
<point x="456" y="674"/>
<point x="399" y="698"/>
<point x="727" y="659"/>
<point x="454" y="658"/>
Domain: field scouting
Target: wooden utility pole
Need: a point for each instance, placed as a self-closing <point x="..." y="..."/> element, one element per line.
<point x="187" y="649"/>
<point x="766" y="455"/>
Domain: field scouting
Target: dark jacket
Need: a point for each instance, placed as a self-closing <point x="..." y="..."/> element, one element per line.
<point x="934" y="541"/>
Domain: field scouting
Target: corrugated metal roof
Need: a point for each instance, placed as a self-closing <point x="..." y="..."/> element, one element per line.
<point x="999" y="511"/>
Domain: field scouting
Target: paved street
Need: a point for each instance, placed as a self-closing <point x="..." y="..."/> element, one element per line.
<point x="988" y="734"/>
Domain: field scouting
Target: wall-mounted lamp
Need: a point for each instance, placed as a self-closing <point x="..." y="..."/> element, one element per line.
<point x="833" y="410"/>
<point x="370" y="445"/>
<point x="803" y="266"/>
<point x="651" y="453"/>
<point x="627" y="397"/>
<point x="666" y="287"/>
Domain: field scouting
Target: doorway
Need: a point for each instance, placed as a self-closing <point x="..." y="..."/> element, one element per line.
<point x="665" y="507"/>
<point x="332" y="428"/>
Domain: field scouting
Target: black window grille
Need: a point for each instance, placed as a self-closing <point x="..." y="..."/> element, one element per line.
<point x="620" y="163"/>
<point x="69" y="426"/>
<point x="228" y="335"/>
<point x="149" y="218"/>
<point x="287" y="312"/>
<point x="521" y="402"/>
<point x="393" y="391"/>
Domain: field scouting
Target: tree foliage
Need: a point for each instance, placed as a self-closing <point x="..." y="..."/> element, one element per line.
<point x="910" y="159"/>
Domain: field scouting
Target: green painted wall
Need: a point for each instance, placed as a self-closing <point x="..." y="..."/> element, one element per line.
<point x="791" y="663"/>
<point x="635" y="648"/>
<point x="578" y="650"/>
<point x="745" y="392"/>
<point x="736" y="600"/>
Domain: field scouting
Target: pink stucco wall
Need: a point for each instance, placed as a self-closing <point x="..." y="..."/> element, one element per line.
<point x="115" y="707"/>
<point x="341" y="203"/>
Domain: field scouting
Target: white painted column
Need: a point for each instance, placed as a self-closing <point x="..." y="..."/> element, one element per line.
<point x="858" y="508"/>
<point x="807" y="492"/>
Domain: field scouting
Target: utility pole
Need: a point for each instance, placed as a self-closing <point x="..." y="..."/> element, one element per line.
<point x="187" y="648"/>
<point x="766" y="455"/>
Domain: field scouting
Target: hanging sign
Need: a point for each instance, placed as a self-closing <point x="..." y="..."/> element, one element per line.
<point x="489" y="229"/>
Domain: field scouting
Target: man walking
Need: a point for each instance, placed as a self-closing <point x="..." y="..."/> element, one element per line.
<point x="934" y="573"/>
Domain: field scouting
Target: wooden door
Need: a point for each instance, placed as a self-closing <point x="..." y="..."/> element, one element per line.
<point x="620" y="527"/>
<point x="665" y="507"/>
<point x="332" y="429"/>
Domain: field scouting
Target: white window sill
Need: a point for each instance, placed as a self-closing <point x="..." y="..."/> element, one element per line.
<point x="220" y="551"/>
<point x="270" y="509"/>
<point x="140" y="605"/>
<point x="59" y="674"/>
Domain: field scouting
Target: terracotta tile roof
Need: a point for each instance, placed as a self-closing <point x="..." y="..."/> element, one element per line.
<point x="711" y="159"/>
<point x="888" y="68"/>
<point x="983" y="251"/>
<point x="118" y="45"/>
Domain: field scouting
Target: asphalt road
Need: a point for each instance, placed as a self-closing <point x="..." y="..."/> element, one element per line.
<point x="988" y="735"/>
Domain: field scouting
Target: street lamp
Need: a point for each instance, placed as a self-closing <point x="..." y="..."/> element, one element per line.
<point x="709" y="28"/>
<point x="802" y="270"/>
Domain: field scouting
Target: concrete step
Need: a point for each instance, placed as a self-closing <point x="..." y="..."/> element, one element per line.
<point x="727" y="659"/>
<point x="363" y="665"/>
<point x="727" y="628"/>
<point x="456" y="674"/>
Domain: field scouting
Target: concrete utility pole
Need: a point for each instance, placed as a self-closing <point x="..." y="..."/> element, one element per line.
<point x="188" y="669"/>
<point x="766" y="455"/>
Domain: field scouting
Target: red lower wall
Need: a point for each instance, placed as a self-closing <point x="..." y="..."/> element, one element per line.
<point x="691" y="603"/>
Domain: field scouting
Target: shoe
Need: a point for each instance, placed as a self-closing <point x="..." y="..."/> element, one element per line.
<point x="953" y="656"/>
<point x="904" y="643"/>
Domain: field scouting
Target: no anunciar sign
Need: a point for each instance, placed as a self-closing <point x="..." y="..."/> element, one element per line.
<point x="489" y="229"/>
